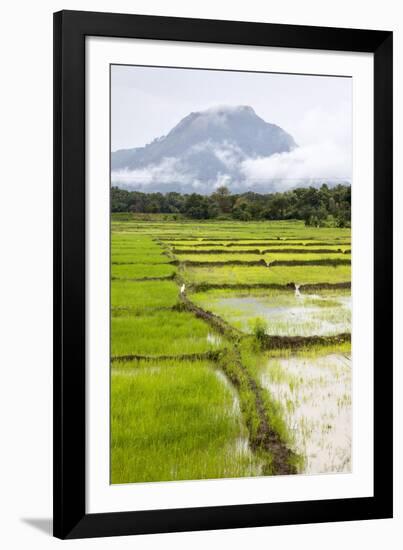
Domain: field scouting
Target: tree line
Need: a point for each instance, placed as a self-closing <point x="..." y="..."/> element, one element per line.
<point x="316" y="206"/>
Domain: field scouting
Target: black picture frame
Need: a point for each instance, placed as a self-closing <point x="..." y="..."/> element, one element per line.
<point x="70" y="517"/>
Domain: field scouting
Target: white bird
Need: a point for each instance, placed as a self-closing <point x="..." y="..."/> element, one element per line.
<point x="183" y="288"/>
<point x="297" y="292"/>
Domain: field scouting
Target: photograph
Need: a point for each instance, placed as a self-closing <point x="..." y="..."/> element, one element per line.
<point x="201" y="297"/>
<point x="230" y="274"/>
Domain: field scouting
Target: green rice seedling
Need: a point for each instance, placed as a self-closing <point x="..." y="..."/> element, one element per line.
<point x="253" y="361"/>
<point x="265" y="259"/>
<point x="142" y="271"/>
<point x="162" y="333"/>
<point x="284" y="275"/>
<point x="144" y="324"/>
<point x="222" y="258"/>
<point x="273" y="247"/>
<point x="139" y="258"/>
<point x="137" y="242"/>
<point x="174" y="421"/>
<point x="316" y="256"/>
<point x="140" y="297"/>
<point x="230" y="230"/>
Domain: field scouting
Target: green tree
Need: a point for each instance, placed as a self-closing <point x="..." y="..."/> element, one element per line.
<point x="222" y="199"/>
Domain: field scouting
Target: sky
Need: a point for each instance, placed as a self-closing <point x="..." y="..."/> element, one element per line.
<point x="147" y="102"/>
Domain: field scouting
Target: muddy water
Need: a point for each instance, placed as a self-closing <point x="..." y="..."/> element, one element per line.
<point x="290" y="315"/>
<point x="316" y="396"/>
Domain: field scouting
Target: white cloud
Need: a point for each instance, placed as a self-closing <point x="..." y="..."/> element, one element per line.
<point x="167" y="171"/>
<point x="169" y="175"/>
<point x="307" y="165"/>
<point x="318" y="124"/>
<point x="310" y="164"/>
<point x="229" y="154"/>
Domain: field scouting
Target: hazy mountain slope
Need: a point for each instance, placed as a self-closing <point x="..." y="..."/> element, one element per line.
<point x="205" y="149"/>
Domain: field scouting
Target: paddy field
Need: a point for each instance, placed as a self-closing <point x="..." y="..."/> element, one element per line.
<point x="230" y="349"/>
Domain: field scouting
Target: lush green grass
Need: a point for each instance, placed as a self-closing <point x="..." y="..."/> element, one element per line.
<point x="234" y="246"/>
<point x="142" y="271"/>
<point x="136" y="241"/>
<point x="312" y="351"/>
<point x="142" y="296"/>
<point x="222" y="258"/>
<point x="175" y="421"/>
<point x="136" y="257"/>
<point x="305" y="257"/>
<point x="269" y="257"/>
<point x="253" y="360"/>
<point x="227" y="229"/>
<point x="233" y="275"/>
<point x="137" y="249"/>
<point x="259" y="248"/>
<point x="162" y="333"/>
<point x="141" y="244"/>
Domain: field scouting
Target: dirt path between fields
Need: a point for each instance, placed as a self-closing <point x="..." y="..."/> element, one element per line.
<point x="264" y="438"/>
<point x="206" y="356"/>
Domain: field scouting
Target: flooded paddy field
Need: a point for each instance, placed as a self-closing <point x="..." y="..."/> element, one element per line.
<point x="194" y="392"/>
<point x="286" y="313"/>
<point x="315" y="393"/>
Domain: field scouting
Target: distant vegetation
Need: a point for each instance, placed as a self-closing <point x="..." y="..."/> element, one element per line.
<point x="325" y="206"/>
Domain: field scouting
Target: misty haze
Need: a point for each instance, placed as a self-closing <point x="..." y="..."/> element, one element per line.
<point x="275" y="142"/>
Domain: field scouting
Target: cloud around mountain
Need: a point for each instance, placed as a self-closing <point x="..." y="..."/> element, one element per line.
<point x="225" y="145"/>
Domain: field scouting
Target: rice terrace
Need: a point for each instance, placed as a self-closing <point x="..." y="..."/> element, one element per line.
<point x="230" y="269"/>
<point x="230" y="348"/>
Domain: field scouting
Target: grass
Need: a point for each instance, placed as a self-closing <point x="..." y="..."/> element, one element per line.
<point x="142" y="296"/>
<point x="228" y="244"/>
<point x="270" y="257"/>
<point x="173" y="422"/>
<point x="175" y="419"/>
<point x="312" y="351"/>
<point x="161" y="333"/>
<point x="253" y="361"/>
<point x="142" y="271"/>
<point x="256" y="247"/>
<point x="226" y="229"/>
<point x="305" y="257"/>
<point x="233" y="275"/>
<point x="138" y="257"/>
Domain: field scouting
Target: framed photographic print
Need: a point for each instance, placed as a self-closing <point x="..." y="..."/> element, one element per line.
<point x="223" y="274"/>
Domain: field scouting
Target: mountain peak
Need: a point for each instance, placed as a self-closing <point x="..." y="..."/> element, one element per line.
<point x="229" y="110"/>
<point x="216" y="115"/>
<point x="204" y="149"/>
